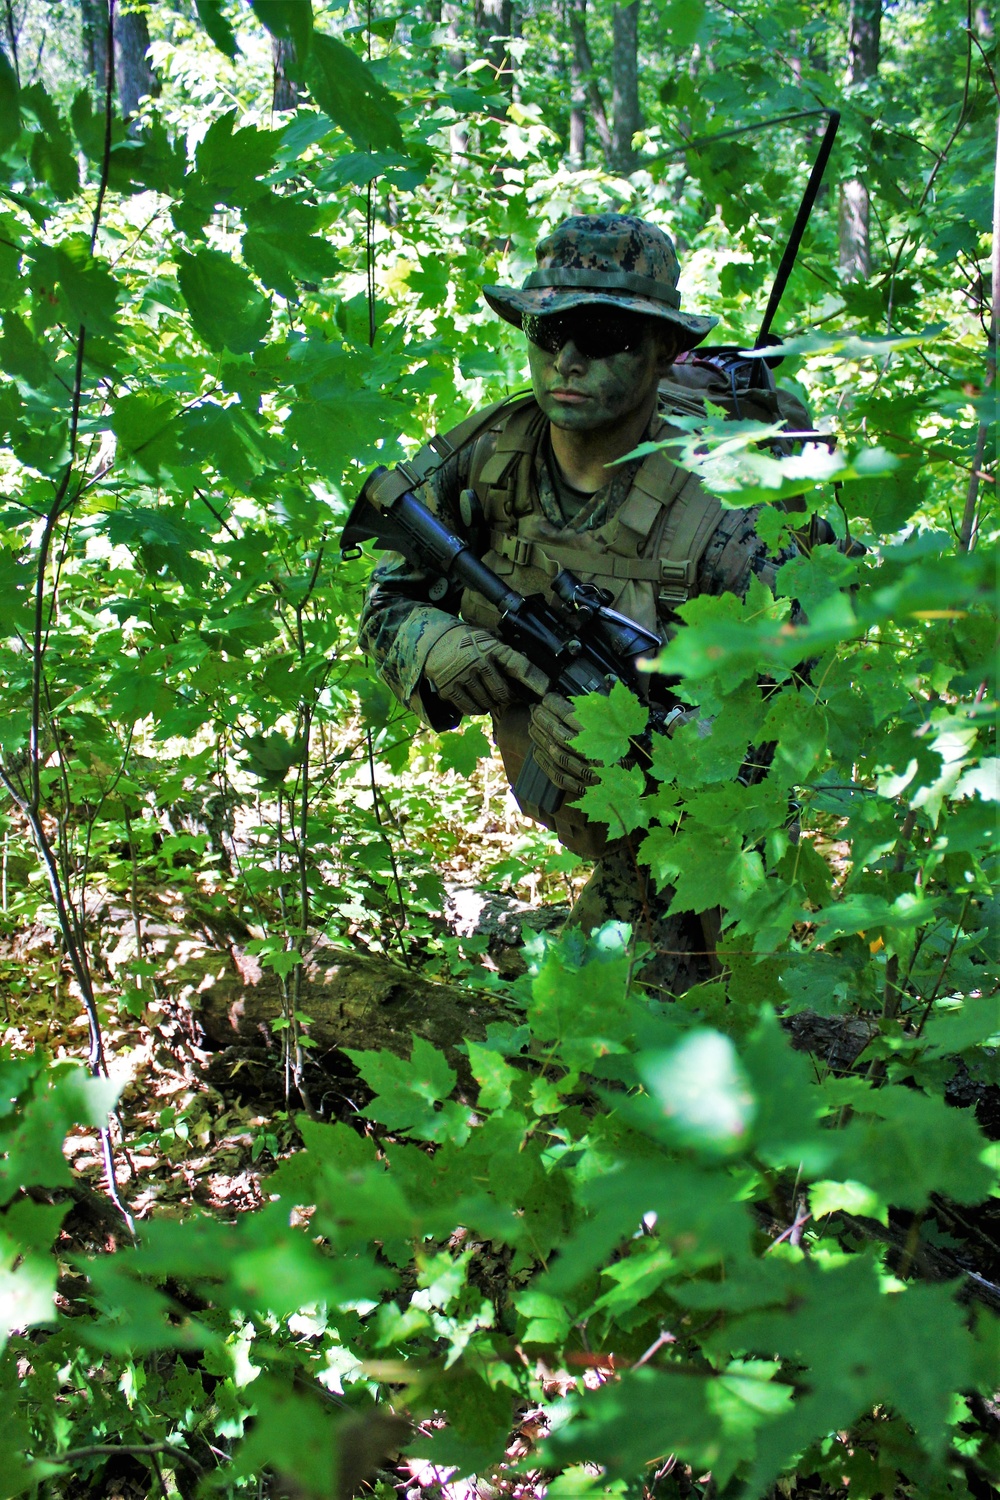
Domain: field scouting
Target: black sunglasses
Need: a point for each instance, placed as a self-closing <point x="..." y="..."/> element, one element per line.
<point x="597" y="332"/>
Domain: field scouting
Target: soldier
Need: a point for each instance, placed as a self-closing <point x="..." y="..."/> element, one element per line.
<point x="536" y="484"/>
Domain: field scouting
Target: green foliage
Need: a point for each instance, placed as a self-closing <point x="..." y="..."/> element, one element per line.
<point x="192" y="382"/>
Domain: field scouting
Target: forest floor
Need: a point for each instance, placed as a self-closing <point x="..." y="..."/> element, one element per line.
<point x="208" y="1102"/>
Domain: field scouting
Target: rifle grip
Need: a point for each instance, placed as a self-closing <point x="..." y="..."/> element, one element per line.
<point x="534" y="788"/>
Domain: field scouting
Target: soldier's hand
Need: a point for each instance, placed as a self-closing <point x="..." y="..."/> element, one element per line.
<point x="475" y="672"/>
<point x="553" y="724"/>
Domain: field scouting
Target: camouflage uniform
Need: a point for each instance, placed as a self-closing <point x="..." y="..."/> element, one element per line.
<point x="530" y="514"/>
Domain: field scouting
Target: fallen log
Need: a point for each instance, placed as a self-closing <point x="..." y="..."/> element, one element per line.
<point x="352" y="999"/>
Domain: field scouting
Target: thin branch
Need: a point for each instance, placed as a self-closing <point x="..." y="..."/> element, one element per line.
<point x="109" y="88"/>
<point x="967" y="534"/>
<point x="131" y="1450"/>
<point x="389" y="850"/>
<point x="986" y="63"/>
<point x="12" y="37"/>
<point x="963" y="115"/>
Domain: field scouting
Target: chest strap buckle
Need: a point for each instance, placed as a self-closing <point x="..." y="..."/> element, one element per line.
<point x="676" y="582"/>
<point x="517" y="549"/>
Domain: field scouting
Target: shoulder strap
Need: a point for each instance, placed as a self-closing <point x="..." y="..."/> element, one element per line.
<point x="499" y="470"/>
<point x="444" y="445"/>
<point x="415" y="471"/>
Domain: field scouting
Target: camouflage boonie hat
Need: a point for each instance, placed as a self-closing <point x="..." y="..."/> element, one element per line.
<point x="615" y="259"/>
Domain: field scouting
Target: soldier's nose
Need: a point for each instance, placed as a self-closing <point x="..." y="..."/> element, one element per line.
<point x="569" y="358"/>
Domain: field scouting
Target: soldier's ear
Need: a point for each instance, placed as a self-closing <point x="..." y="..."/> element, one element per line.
<point x="668" y="348"/>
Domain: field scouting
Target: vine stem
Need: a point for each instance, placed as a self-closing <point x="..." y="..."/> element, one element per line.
<point x="29" y="801"/>
<point x="928" y="1007"/>
<point x="893" y="991"/>
<point x="389" y="849"/>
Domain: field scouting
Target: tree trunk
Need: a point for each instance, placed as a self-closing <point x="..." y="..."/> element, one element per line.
<point x="577" y="91"/>
<point x="134" y="74"/>
<point x="493" y="19"/>
<point x="458" y="136"/>
<point x="286" y="93"/>
<point x="94" y="28"/>
<point x="577" y="17"/>
<point x="863" y="36"/>
<point x="625" y="86"/>
<point x="432" y="55"/>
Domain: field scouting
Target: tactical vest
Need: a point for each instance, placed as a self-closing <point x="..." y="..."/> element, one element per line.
<point x="646" y="555"/>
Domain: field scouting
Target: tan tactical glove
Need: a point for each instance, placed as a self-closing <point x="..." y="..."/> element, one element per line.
<point x="476" y="673"/>
<point x="553" y="724"/>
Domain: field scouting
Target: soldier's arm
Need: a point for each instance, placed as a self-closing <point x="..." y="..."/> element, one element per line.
<point x="400" y="622"/>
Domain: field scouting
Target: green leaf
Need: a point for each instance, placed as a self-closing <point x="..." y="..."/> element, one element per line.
<point x="88" y="126"/>
<point x="463" y="749"/>
<point x="294" y="1434"/>
<point x="873" y="1350"/>
<point x="478" y="1423"/>
<point x="211" y="16"/>
<point x="639" y="1420"/>
<point x="32" y="1150"/>
<point x="802" y="734"/>
<point x="15" y="583"/>
<point x="82" y="288"/>
<point x="346" y="90"/>
<point x="706" y="866"/>
<point x="10" y="263"/>
<point x="547" y="1318"/>
<point x="953" y="1029"/>
<point x="291" y="20"/>
<point x="27" y="1268"/>
<point x="142" y="422"/>
<point x="886" y="501"/>
<point x="819" y="981"/>
<point x="334" y="1146"/>
<point x="496" y="1078"/>
<point x="913" y="1146"/>
<point x="682" y="20"/>
<point x="408" y="1093"/>
<point x="701" y="1094"/>
<point x="223" y="438"/>
<point x="696" y="1210"/>
<point x="617" y="800"/>
<point x="335" y="430"/>
<point x="231" y="161"/>
<point x="280" y="246"/>
<point x="608" y="724"/>
<point x="52" y="157"/>
<point x="584" y="1011"/>
<point x="786" y="1130"/>
<point x="226" y="308"/>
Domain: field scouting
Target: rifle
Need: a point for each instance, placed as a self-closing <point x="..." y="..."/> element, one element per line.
<point x="578" y="641"/>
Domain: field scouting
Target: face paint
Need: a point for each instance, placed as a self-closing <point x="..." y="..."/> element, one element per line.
<point x="584" y="395"/>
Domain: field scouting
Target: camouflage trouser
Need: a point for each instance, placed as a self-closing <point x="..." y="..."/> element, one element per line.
<point x="619" y="890"/>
